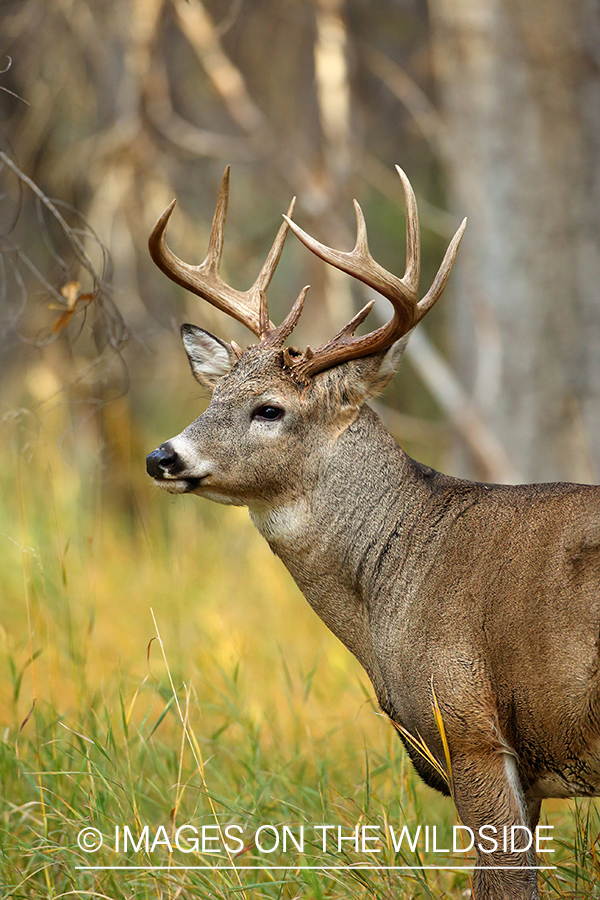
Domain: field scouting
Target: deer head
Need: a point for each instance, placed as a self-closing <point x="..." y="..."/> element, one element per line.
<point x="274" y="409"/>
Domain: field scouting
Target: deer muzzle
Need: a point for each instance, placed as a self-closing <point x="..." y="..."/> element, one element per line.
<point x="168" y="469"/>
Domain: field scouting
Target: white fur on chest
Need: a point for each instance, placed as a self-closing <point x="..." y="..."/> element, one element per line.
<point x="282" y="524"/>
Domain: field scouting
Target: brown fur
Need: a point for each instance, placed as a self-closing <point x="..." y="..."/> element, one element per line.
<point x="488" y="593"/>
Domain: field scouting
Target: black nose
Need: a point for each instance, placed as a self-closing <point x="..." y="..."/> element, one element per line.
<point x="163" y="461"/>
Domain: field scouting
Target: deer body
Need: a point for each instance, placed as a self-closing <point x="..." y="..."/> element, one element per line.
<point x="487" y="595"/>
<point x="423" y="593"/>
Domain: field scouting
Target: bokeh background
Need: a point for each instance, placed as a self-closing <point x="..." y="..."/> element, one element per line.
<point x="108" y="111"/>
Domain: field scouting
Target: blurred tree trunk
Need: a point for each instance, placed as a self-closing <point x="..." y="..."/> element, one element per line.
<point x="520" y="94"/>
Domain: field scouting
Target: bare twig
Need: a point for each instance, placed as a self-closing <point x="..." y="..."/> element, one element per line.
<point x="183" y="134"/>
<point x="7" y="90"/>
<point x="71" y="238"/>
<point x="107" y="313"/>
<point x="408" y="92"/>
<point x="205" y="40"/>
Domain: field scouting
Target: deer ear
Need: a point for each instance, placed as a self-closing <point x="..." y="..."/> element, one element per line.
<point x="357" y="380"/>
<point x="388" y="366"/>
<point x="210" y="358"/>
<point x="368" y="376"/>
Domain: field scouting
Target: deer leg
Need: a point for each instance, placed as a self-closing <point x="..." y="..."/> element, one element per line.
<point x="487" y="792"/>
<point x="534" y="808"/>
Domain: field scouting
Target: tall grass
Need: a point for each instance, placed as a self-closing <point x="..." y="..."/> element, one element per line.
<point x="160" y="668"/>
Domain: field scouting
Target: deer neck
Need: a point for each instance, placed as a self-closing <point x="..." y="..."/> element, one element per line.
<point x="327" y="533"/>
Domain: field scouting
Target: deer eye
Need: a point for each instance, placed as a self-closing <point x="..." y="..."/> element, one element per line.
<point x="268" y="413"/>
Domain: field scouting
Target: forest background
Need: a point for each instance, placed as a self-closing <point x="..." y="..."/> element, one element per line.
<point x="247" y="709"/>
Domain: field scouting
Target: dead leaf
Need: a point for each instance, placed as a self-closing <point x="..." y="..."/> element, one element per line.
<point x="72" y="294"/>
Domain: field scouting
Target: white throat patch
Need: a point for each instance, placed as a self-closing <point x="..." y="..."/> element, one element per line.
<point x="285" y="522"/>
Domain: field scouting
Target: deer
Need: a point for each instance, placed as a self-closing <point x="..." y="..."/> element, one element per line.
<point x="484" y="597"/>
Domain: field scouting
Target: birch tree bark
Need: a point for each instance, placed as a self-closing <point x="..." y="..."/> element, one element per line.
<point x="519" y="85"/>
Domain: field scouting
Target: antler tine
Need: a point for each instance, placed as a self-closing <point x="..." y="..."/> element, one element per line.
<point x="263" y="315"/>
<point x="359" y="318"/>
<point x="212" y="261"/>
<point x="267" y="329"/>
<point x="266" y="273"/>
<point x="277" y="336"/>
<point x="164" y="258"/>
<point x="443" y="273"/>
<point x="412" y="272"/>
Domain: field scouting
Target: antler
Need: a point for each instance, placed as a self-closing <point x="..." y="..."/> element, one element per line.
<point x="401" y="292"/>
<point x="248" y="307"/>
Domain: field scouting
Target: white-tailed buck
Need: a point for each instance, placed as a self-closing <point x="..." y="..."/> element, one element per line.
<point x="487" y="595"/>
